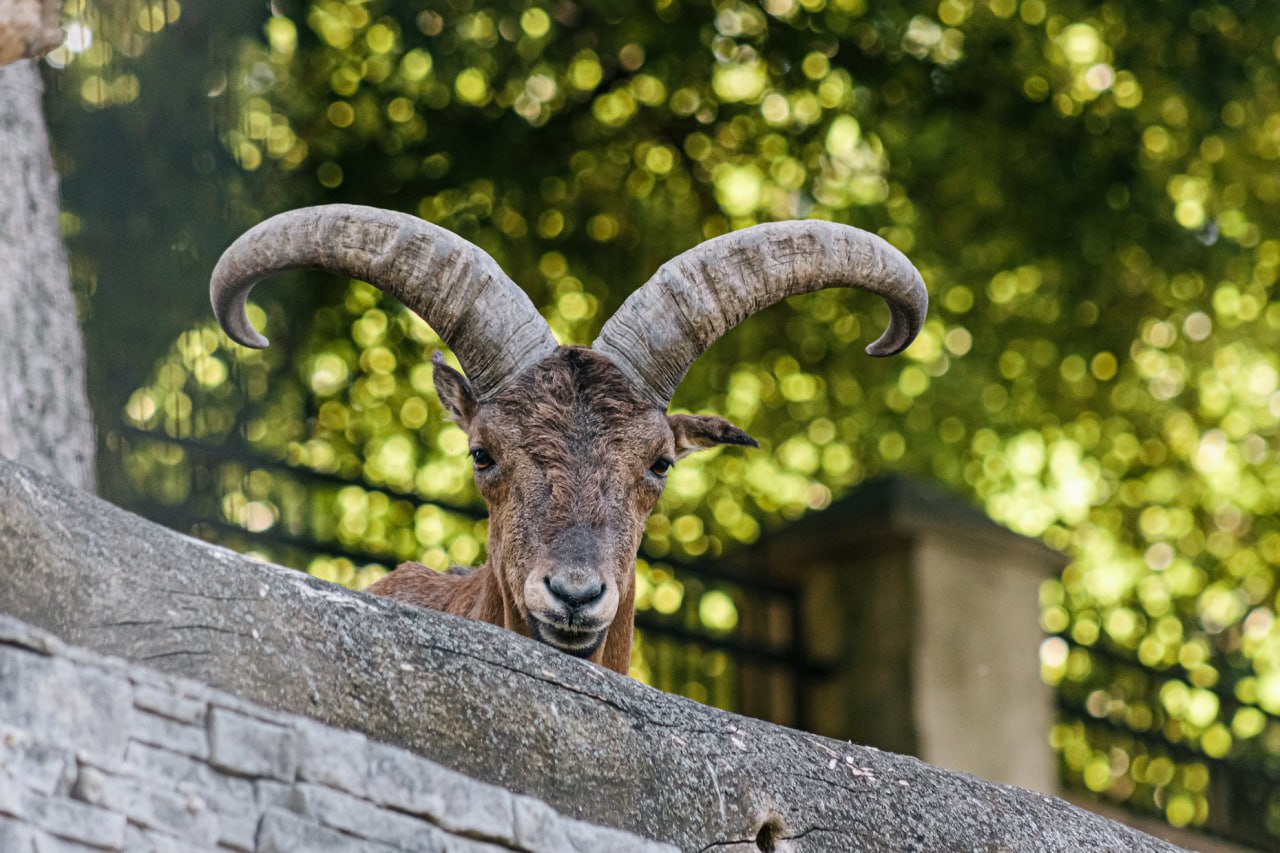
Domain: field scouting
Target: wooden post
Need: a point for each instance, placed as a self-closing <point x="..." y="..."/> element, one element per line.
<point x="927" y="613"/>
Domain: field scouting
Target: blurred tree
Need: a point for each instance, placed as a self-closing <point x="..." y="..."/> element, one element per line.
<point x="1090" y="190"/>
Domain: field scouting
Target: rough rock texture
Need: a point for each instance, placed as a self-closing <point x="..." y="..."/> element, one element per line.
<point x="44" y="412"/>
<point x="485" y="702"/>
<point x="98" y="752"/>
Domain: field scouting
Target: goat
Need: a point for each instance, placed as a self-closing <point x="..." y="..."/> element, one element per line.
<point x="571" y="445"/>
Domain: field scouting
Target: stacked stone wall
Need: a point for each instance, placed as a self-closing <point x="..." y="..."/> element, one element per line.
<point x="98" y="754"/>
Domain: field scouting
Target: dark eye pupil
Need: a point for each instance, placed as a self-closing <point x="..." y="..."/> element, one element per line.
<point x="481" y="458"/>
<point x="661" y="467"/>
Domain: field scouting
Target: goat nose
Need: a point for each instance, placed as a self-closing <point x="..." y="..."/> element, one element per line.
<point x="573" y="592"/>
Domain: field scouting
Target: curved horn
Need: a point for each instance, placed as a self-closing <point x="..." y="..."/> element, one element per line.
<point x="699" y="295"/>
<point x="460" y="291"/>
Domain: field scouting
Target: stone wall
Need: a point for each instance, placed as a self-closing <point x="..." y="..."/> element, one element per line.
<point x="926" y="615"/>
<point x="99" y="754"/>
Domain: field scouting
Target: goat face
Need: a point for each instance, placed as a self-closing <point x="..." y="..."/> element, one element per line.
<point x="571" y="445"/>
<point x="571" y="460"/>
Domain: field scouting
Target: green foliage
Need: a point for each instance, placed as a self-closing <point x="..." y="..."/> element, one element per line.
<point x="1089" y="189"/>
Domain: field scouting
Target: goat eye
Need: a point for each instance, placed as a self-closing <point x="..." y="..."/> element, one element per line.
<point x="661" y="467"/>
<point x="482" y="459"/>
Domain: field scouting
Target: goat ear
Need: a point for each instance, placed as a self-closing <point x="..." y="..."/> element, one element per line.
<point x="455" y="392"/>
<point x="698" y="432"/>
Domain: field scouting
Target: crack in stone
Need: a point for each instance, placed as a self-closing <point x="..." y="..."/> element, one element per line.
<point x="830" y="783"/>
<point x="160" y="655"/>
<point x="214" y="628"/>
<point x="126" y="623"/>
<point x="195" y="593"/>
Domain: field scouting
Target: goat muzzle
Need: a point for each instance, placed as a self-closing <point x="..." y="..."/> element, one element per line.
<point x="570" y="608"/>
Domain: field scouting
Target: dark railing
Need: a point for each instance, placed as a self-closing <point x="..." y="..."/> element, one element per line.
<point x="1242" y="787"/>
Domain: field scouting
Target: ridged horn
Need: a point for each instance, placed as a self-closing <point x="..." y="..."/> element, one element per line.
<point x="454" y="285"/>
<point x="699" y="295"/>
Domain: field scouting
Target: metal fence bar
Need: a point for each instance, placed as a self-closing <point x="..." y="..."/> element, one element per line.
<point x="1224" y="689"/>
<point x="1178" y="749"/>
<point x="177" y="519"/>
<point x="788" y="657"/>
<point x="1229" y="817"/>
<point x="784" y="657"/>
<point x="1242" y="789"/>
<point x="252" y="459"/>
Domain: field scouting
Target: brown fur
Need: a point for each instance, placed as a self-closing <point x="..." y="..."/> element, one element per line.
<point x="573" y="445"/>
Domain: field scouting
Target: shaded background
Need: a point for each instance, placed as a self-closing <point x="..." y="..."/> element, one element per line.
<point x="1089" y="190"/>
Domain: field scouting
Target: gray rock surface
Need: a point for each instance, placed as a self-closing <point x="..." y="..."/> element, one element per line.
<point x="97" y="753"/>
<point x="45" y="420"/>
<point x="482" y="701"/>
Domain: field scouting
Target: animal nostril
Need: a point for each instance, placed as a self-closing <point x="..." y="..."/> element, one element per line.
<point x="575" y="594"/>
